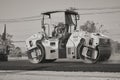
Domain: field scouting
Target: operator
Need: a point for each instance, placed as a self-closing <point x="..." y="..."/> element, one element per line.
<point x="59" y="30"/>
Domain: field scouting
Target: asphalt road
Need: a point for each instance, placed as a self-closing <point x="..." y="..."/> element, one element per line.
<point x="59" y="66"/>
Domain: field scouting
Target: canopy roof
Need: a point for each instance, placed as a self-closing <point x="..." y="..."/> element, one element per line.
<point x="66" y="11"/>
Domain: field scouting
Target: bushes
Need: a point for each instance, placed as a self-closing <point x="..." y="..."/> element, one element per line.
<point x="115" y="47"/>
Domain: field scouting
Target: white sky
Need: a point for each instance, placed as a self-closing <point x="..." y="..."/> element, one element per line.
<point x="10" y="9"/>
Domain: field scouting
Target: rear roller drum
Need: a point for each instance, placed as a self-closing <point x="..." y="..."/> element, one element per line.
<point x="92" y="55"/>
<point x="37" y="55"/>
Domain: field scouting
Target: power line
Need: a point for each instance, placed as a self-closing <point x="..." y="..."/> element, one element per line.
<point x="103" y="8"/>
<point x="23" y="19"/>
<point x="93" y="13"/>
<point x="38" y="17"/>
<point x="30" y="17"/>
<point x="13" y="21"/>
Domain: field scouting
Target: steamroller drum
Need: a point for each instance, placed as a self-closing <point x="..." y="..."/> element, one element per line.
<point x="90" y="53"/>
<point x="101" y="53"/>
<point x="37" y="55"/>
<point x="92" y="56"/>
<point x="104" y="53"/>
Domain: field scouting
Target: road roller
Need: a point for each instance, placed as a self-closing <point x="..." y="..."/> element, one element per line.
<point x="60" y="38"/>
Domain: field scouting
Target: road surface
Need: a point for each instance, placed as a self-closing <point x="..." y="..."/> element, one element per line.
<point x="60" y="65"/>
<point x="22" y="69"/>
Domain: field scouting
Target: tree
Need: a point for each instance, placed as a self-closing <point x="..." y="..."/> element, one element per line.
<point x="9" y="38"/>
<point x="89" y="26"/>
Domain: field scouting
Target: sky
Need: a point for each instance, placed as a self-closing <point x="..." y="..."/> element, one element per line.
<point x="11" y="9"/>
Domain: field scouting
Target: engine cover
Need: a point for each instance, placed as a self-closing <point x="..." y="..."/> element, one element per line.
<point x="51" y="48"/>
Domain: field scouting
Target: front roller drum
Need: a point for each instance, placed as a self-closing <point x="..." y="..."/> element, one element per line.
<point x="104" y="53"/>
<point x="98" y="54"/>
